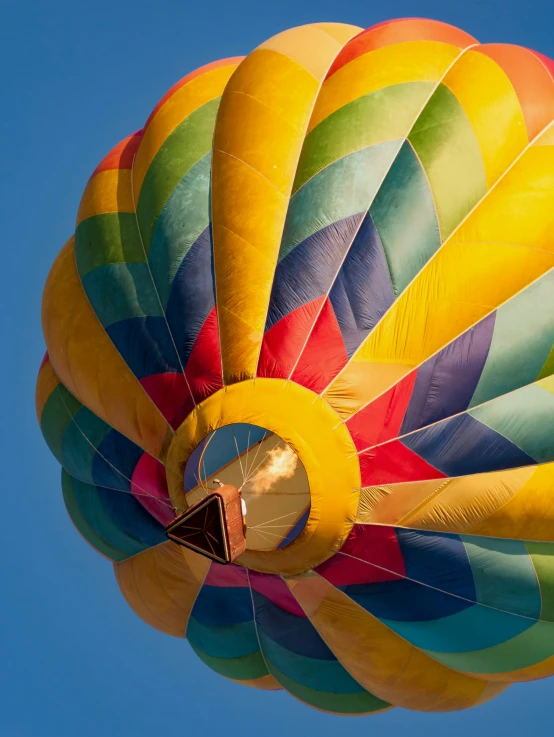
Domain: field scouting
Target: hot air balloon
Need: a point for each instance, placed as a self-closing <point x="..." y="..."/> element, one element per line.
<point x="300" y="367"/>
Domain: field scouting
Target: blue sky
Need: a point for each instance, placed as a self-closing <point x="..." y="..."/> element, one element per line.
<point x="74" y="660"/>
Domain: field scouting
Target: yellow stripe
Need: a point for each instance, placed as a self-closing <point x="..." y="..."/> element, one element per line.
<point x="259" y="132"/>
<point x="492" y="106"/>
<point x="88" y="364"/>
<point x="179" y="106"/>
<point x="380" y="660"/>
<point x="413" y="61"/>
<point x="107" y="191"/>
<point x="47" y="381"/>
<point x="161" y="585"/>
<point x="503" y="245"/>
<point x="516" y="503"/>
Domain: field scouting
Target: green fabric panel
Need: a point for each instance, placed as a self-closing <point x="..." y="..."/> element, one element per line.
<point x="187" y="144"/>
<point x="380" y="116"/>
<point x="344" y="188"/>
<point x="542" y="555"/>
<point x="356" y="703"/>
<point x="445" y="141"/>
<point x="503" y="574"/>
<point x="120" y="291"/>
<point x="522" y="340"/>
<point x="82" y="525"/>
<point x="79" y="444"/>
<point x="529" y="648"/>
<point x="239" y="669"/>
<point x="232" y="641"/>
<point x="60" y="407"/>
<point x="107" y="239"/>
<point x="185" y="215"/>
<point x="525" y="417"/>
<point x="405" y="217"/>
<point x="315" y="673"/>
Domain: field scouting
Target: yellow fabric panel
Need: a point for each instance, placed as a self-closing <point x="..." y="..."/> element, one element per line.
<point x="504" y="244"/>
<point x="259" y="132"/>
<point x="180" y="105"/>
<point x="88" y="364"/>
<point x="390" y="503"/>
<point x="380" y="660"/>
<point x="341" y="32"/>
<point x="311" y="46"/>
<point x="529" y="514"/>
<point x="47" y="381"/>
<point x="492" y="106"/>
<point x="412" y="61"/>
<point x="516" y="503"/>
<point x="161" y="585"/>
<point x="265" y="683"/>
<point x="322" y="443"/>
<point x="520" y="208"/>
<point x="106" y="191"/>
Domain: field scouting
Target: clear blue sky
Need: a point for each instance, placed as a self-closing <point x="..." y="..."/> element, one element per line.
<point x="78" y="76"/>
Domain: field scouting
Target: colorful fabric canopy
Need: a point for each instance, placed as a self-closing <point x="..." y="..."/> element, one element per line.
<point x="343" y="242"/>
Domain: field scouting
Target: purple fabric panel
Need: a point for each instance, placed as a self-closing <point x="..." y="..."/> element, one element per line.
<point x="446" y="382"/>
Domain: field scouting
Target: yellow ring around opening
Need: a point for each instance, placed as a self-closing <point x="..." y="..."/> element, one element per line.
<point x="315" y="432"/>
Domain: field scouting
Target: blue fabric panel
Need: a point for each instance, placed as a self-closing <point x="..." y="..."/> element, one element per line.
<point x="119" y="453"/>
<point x="223" y="606"/>
<point x="437" y="559"/>
<point x="404" y="601"/>
<point x="294" y="633"/>
<point x="446" y="382"/>
<point x="131" y="516"/>
<point x="463" y="445"/>
<point x="88" y="499"/>
<point x="192" y="295"/>
<point x="362" y="291"/>
<point x="475" y="628"/>
<point x="80" y="440"/>
<point x="307" y="272"/>
<point x="322" y="675"/>
<point x="232" y="641"/>
<point x="145" y="345"/>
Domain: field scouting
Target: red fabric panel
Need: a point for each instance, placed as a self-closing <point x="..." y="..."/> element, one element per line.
<point x="203" y="369"/>
<point x="170" y="394"/>
<point x="373" y="543"/>
<point x="149" y="478"/>
<point x="283" y="342"/>
<point x="122" y="155"/>
<point x="392" y="463"/>
<point x="324" y="355"/>
<point x="381" y="420"/>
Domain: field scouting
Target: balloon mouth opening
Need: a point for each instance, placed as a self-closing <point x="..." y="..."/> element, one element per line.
<point x="271" y="478"/>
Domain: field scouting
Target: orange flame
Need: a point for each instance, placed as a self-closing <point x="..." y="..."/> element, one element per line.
<point x="280" y="464"/>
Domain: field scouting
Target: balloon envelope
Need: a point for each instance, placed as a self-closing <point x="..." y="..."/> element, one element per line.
<point x="323" y="273"/>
